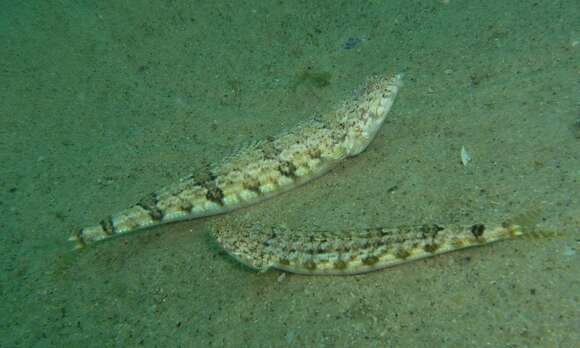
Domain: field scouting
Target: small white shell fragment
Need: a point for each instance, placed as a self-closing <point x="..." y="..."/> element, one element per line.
<point x="465" y="157"/>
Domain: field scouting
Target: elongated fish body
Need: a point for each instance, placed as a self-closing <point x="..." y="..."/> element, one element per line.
<point x="263" y="170"/>
<point x="353" y="252"/>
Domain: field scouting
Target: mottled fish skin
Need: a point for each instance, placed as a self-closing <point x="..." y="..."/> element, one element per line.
<point x="354" y="252"/>
<point x="262" y="170"/>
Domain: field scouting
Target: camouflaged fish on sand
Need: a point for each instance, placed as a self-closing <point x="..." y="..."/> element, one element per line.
<point x="273" y="166"/>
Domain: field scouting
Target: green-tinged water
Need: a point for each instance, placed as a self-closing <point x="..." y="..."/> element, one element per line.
<point x="102" y="102"/>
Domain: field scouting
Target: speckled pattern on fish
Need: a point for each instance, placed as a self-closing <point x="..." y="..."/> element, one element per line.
<point x="262" y="170"/>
